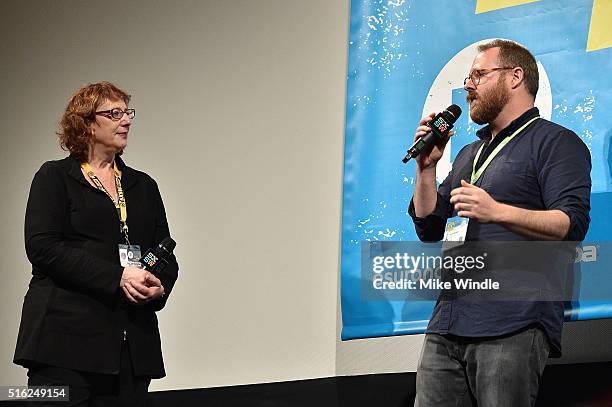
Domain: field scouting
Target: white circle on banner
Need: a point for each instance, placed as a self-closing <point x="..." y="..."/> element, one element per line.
<point x="451" y="77"/>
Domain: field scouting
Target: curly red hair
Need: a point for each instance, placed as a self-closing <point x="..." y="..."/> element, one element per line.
<point x="75" y="134"/>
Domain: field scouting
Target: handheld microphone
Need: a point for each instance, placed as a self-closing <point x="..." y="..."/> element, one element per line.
<point x="156" y="258"/>
<point x="440" y="126"/>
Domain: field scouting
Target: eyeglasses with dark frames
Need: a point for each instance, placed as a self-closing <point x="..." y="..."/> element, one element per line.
<point x="117" y="114"/>
<point x="479" y="73"/>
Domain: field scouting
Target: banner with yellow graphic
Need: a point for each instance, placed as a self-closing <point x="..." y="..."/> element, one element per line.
<point x="409" y="57"/>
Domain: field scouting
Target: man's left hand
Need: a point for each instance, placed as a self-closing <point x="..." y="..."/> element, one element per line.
<point x="475" y="203"/>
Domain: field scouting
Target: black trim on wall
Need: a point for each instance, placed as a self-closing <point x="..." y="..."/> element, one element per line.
<point x="572" y="385"/>
<point x="577" y="385"/>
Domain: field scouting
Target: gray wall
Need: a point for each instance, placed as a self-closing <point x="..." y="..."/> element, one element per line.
<point x="240" y="118"/>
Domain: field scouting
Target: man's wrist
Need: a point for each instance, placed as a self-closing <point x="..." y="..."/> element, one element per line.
<point x="426" y="176"/>
<point x="428" y="171"/>
<point x="503" y="214"/>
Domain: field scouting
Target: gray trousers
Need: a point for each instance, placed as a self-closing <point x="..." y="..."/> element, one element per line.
<point x="496" y="372"/>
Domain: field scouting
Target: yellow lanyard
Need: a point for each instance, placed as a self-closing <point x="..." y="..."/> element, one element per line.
<point x="483" y="167"/>
<point x="120" y="203"/>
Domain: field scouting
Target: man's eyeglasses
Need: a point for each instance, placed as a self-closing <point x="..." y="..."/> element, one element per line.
<point x="117" y="114"/>
<point x="479" y="73"/>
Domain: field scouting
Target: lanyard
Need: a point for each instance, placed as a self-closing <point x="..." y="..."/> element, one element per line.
<point x="120" y="203"/>
<point x="483" y="167"/>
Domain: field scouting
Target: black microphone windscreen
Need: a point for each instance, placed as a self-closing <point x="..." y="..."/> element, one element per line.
<point x="168" y="244"/>
<point x="455" y="111"/>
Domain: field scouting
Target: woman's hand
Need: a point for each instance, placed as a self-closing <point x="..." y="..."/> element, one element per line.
<point x="140" y="286"/>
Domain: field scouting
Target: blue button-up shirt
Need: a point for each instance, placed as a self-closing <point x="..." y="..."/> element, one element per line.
<point x="544" y="167"/>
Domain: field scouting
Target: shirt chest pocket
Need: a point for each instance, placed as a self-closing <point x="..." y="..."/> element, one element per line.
<point x="509" y="181"/>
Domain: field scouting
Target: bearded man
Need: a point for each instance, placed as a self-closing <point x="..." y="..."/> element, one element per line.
<point x="525" y="179"/>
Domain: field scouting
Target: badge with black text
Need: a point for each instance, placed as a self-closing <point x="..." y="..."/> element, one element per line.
<point x="455" y="232"/>
<point x="129" y="256"/>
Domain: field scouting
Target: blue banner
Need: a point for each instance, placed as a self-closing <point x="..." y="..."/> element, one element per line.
<point x="408" y="58"/>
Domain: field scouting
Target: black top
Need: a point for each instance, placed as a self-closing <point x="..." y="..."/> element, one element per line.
<point x="545" y="167"/>
<point x="74" y="313"/>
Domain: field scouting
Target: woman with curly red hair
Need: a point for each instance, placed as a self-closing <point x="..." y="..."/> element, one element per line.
<point x="88" y="318"/>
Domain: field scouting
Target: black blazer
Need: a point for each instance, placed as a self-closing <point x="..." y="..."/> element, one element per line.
<point x="74" y="313"/>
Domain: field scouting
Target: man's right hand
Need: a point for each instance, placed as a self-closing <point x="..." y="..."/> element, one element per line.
<point x="427" y="161"/>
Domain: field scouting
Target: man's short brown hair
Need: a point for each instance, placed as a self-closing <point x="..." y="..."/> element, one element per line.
<point x="513" y="54"/>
